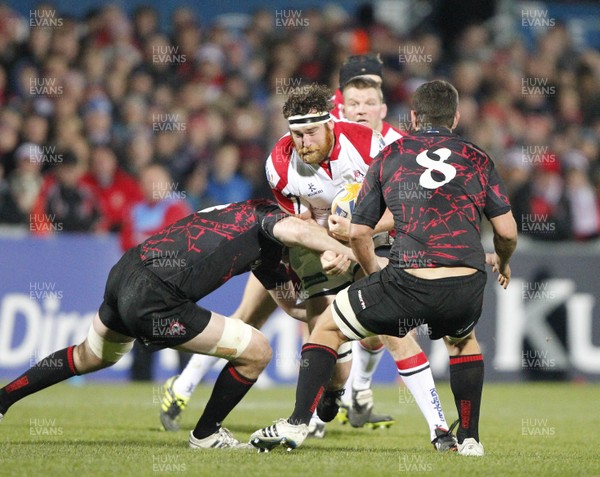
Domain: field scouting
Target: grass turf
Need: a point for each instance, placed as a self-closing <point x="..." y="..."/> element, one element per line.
<point x="113" y="430"/>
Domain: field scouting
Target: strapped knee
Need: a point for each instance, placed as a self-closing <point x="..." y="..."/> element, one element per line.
<point x="345" y="352"/>
<point x="234" y="340"/>
<point x="109" y="351"/>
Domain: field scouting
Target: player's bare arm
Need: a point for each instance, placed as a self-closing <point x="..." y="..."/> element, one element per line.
<point x="334" y="264"/>
<point x="361" y="241"/>
<point x="505" y="242"/>
<point x="295" y="232"/>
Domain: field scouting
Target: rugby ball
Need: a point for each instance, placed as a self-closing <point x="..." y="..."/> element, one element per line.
<point x="345" y="200"/>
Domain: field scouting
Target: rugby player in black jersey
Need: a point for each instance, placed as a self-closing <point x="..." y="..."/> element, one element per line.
<point x="151" y="295"/>
<point x="437" y="186"/>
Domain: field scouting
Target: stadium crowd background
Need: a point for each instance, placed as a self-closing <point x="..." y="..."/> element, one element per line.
<point x="86" y="104"/>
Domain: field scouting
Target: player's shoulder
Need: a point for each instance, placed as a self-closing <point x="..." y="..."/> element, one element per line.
<point x="392" y="131"/>
<point x="278" y="162"/>
<point x="472" y="146"/>
<point x="283" y="149"/>
<point x="355" y="131"/>
<point x="281" y="154"/>
<point x="360" y="136"/>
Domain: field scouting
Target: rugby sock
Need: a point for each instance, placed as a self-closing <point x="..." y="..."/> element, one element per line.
<point x="366" y="363"/>
<point x="229" y="390"/>
<point x="417" y="377"/>
<point x="192" y="374"/>
<point x="466" y="382"/>
<point x="316" y="368"/>
<point x="52" y="369"/>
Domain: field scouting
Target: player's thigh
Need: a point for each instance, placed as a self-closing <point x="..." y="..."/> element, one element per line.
<point x="256" y="305"/>
<point x="466" y="345"/>
<point x="316" y="307"/>
<point x="107" y="333"/>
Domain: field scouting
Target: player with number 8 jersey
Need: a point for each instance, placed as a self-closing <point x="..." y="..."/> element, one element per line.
<point x="410" y="174"/>
<point x="437" y="187"/>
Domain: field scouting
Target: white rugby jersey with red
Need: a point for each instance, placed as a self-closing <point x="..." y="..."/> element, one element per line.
<point x="390" y="134"/>
<point x="298" y="187"/>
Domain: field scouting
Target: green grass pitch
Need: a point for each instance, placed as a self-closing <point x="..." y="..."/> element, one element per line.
<point x="113" y="430"/>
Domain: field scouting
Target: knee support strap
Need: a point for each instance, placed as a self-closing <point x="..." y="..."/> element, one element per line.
<point x="345" y="352"/>
<point x="109" y="351"/>
<point x="234" y="340"/>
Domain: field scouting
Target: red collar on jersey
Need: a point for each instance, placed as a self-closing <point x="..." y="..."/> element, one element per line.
<point x="327" y="167"/>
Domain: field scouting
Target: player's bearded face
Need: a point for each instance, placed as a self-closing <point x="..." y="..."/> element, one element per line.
<point x="313" y="143"/>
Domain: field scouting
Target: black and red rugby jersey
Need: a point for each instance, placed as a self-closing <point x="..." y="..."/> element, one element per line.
<point x="437" y="186"/>
<point x="200" y="252"/>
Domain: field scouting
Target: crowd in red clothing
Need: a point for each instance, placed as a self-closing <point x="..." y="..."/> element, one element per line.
<point x="90" y="107"/>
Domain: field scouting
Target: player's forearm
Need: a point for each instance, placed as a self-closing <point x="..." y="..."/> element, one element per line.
<point x="295" y="232"/>
<point x="505" y="236"/>
<point x="504" y="247"/>
<point x="361" y="241"/>
<point x="318" y="239"/>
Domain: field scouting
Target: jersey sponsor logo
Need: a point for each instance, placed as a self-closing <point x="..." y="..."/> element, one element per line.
<point x="313" y="190"/>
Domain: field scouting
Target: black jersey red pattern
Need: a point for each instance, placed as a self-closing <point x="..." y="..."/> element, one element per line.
<point x="437" y="186"/>
<point x="199" y="253"/>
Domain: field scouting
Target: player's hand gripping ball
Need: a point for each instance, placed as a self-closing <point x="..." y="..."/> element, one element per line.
<point x="345" y="200"/>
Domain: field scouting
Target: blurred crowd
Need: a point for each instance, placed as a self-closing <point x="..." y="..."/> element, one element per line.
<point x="111" y="123"/>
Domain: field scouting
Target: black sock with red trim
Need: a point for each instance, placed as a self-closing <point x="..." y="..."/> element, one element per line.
<point x="230" y="388"/>
<point x="316" y="367"/>
<point x="466" y="382"/>
<point x="52" y="369"/>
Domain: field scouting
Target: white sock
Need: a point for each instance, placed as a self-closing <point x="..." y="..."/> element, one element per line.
<point x="192" y="374"/>
<point x="364" y="365"/>
<point x="417" y="377"/>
